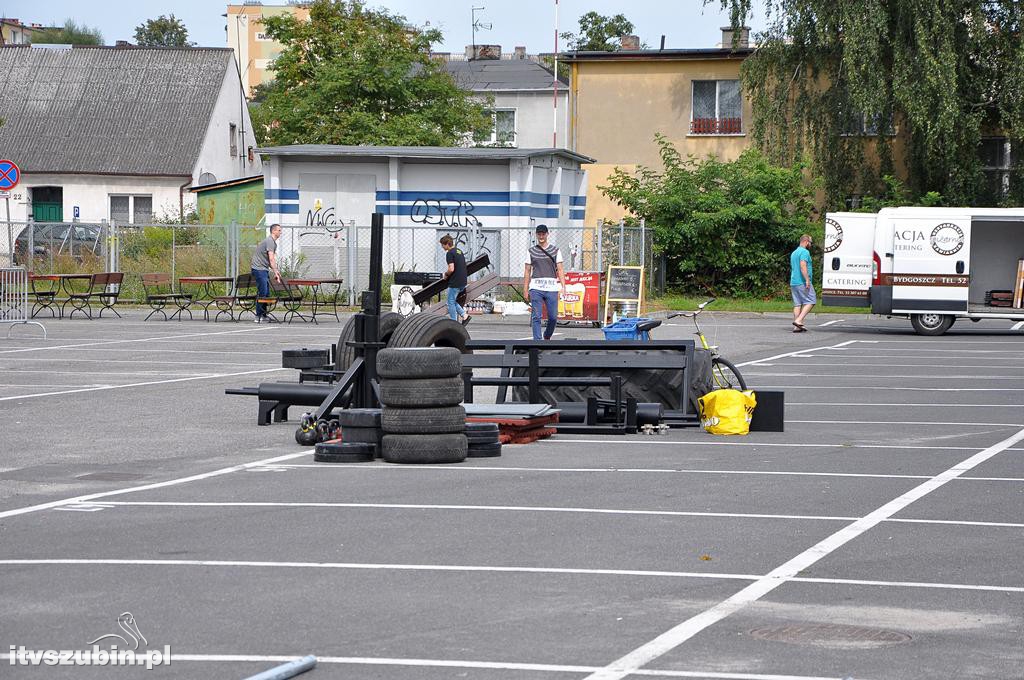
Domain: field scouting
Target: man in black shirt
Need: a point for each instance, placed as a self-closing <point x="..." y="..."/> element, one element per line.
<point x="457" y="279"/>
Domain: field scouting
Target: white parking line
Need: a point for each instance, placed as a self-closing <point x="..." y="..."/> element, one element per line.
<point x="140" y="384"/>
<point x="759" y="580"/>
<point x="829" y="323"/>
<point x="1017" y="326"/>
<point x="526" y="508"/>
<point x="149" y="487"/>
<point x="115" y="342"/>
<point x="796" y="353"/>
<point x="832" y="404"/>
<point x="677" y="635"/>
<point x="456" y="663"/>
<point x="942" y="423"/>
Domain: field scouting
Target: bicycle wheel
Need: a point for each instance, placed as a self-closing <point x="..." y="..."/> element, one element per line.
<point x="726" y="375"/>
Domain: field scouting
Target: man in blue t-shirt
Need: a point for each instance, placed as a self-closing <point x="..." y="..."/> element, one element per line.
<point x="800" y="283"/>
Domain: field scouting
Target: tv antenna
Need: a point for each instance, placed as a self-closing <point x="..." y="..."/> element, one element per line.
<point x="477" y="24"/>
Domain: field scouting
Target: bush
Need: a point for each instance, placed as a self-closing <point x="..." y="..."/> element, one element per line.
<point x="726" y="228"/>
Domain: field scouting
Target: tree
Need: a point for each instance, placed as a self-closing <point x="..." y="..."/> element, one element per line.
<point x="353" y="75"/>
<point x="724" y="227"/>
<point x="868" y="87"/>
<point x="599" y="33"/>
<point x="69" y="34"/>
<point x="164" y="31"/>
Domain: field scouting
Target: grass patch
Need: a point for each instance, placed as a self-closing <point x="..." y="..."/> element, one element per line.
<point x="756" y="305"/>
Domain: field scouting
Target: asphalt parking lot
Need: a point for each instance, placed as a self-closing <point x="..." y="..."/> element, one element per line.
<point x="879" y="536"/>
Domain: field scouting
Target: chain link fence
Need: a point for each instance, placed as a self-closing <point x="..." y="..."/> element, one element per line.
<point x="336" y="251"/>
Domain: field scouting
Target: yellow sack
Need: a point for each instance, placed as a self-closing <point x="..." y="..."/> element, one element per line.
<point x="727" y="411"/>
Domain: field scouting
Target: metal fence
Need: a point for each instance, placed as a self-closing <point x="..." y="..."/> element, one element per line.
<point x="335" y="251"/>
<point x="14" y="307"/>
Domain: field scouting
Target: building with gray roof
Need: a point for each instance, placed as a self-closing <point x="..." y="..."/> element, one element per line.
<point x="119" y="133"/>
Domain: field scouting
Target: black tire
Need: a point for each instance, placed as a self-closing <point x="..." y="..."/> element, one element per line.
<point x="408" y="363"/>
<point x="644" y="385"/>
<point x="931" y="324"/>
<point x="428" y="392"/>
<point x="448" y="420"/>
<point x="344" y="452"/>
<point x="726" y="375"/>
<point x="365" y="435"/>
<point x="477" y="440"/>
<point x="425" y="449"/>
<point x="430" y="330"/>
<point x="359" y="417"/>
<point x="389" y="321"/>
<point x="484" y="451"/>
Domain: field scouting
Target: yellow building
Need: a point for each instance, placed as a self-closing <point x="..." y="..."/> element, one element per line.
<point x="13" y="32"/>
<point x="254" y="51"/>
<point x="620" y="100"/>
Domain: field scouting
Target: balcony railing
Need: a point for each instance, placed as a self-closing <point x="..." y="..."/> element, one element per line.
<point x="716" y="126"/>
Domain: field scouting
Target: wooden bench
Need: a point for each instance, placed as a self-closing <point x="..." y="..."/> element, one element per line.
<point x="103" y="288"/>
<point x="160" y="295"/>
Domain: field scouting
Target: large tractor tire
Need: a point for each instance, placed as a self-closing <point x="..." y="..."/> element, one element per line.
<point x="430" y="330"/>
<point x="389" y="321"/>
<point x="644" y="385"/>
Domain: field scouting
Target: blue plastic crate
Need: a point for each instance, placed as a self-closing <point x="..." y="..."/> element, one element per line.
<point x="625" y="329"/>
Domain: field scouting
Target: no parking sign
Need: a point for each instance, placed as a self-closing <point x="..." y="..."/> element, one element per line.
<point x="10" y="174"/>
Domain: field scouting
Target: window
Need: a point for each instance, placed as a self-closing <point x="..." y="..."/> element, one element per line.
<point x="503" y="130"/>
<point x="860" y="124"/>
<point x="131" y="209"/>
<point x="233" y="132"/>
<point x="996" y="161"/>
<point x="717" y="108"/>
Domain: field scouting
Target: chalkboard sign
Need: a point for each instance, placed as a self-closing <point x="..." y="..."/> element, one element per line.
<point x="624" y="283"/>
<point x="624" y="291"/>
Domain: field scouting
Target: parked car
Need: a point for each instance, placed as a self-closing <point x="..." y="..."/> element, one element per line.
<point x="58" y="238"/>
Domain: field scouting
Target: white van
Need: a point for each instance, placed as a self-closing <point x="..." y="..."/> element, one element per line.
<point x="933" y="265"/>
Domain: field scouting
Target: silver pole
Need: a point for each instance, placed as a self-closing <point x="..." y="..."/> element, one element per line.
<point x="173" y="262"/>
<point x="350" y="247"/>
<point x="600" y="245"/>
<point x="643" y="242"/>
<point x="10" y="234"/>
<point x="622" y="242"/>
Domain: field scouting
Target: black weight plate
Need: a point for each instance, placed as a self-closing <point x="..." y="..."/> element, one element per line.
<point x="491" y="438"/>
<point x="369" y="435"/>
<point x="359" y="417"/>
<point x="484" y="450"/>
<point x="304" y="358"/>
<point x="344" y="452"/>
<point x="474" y="428"/>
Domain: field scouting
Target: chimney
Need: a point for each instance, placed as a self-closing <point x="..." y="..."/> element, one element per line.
<point x="727" y="35"/>
<point x="123" y="43"/>
<point x="629" y="42"/>
<point x="520" y="52"/>
<point x="483" y="52"/>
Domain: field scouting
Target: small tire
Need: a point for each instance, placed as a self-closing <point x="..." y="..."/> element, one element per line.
<point x="422" y="393"/>
<point x="424" y="449"/>
<point x="931" y="324"/>
<point x="359" y="417"/>
<point x="484" y="450"/>
<point x="477" y="428"/>
<point x="410" y="363"/>
<point x="477" y="440"/>
<point x="344" y="452"/>
<point x="448" y="420"/>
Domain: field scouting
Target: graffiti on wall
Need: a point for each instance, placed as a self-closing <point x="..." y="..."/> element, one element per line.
<point x="444" y="212"/>
<point x="487" y="243"/>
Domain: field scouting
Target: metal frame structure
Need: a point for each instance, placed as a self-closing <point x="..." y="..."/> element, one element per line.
<point x="14" y="308"/>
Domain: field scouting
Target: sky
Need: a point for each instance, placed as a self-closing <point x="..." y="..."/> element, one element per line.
<point x="685" y="23"/>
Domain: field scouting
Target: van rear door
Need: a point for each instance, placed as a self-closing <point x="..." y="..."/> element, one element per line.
<point x="930" y="263"/>
<point x="846" y="271"/>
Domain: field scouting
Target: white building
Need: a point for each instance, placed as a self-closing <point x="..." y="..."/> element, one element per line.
<point x="495" y="195"/>
<point x="120" y="133"/>
<point x="524" y="93"/>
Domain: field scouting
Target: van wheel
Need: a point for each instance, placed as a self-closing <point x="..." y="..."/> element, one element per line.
<point x="931" y="324"/>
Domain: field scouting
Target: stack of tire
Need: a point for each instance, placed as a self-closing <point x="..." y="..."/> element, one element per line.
<point x="484" y="440"/>
<point x="422" y="417"/>
<point x="360" y="438"/>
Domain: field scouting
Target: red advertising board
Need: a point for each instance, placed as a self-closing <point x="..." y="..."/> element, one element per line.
<point x="582" y="299"/>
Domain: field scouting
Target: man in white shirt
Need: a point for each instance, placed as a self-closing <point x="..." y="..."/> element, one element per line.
<point x="544" y="279"/>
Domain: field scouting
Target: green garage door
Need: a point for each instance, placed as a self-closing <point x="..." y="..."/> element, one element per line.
<point x="47" y="212"/>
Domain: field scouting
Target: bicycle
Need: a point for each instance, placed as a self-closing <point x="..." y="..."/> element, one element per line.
<point x="723" y="371"/>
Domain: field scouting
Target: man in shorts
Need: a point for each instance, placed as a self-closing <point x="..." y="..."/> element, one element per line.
<point x="800" y="284"/>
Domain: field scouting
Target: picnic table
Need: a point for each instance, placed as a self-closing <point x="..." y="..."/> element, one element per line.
<point x="323" y="295"/>
<point x="46" y="297"/>
<point x="205" y="294"/>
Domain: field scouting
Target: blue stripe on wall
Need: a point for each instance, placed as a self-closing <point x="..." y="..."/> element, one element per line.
<point x="577" y="200"/>
<point x="278" y="194"/>
<point x="477" y="211"/>
<point x="482" y="196"/>
<point x="282" y="208"/>
<point x="577" y="214"/>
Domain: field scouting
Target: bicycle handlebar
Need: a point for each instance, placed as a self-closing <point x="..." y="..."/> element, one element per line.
<point x="690" y="315"/>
